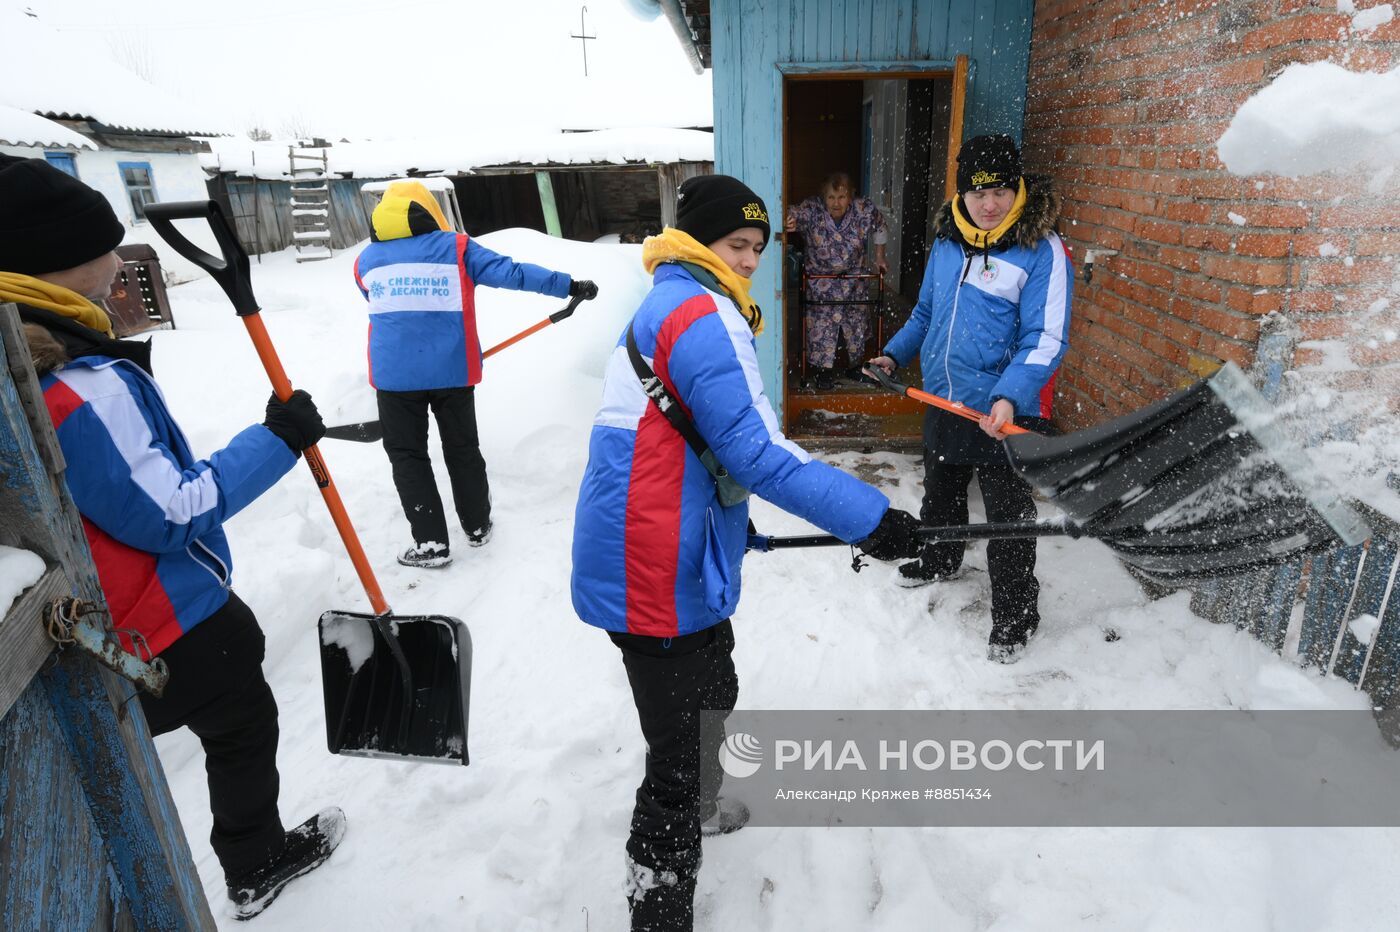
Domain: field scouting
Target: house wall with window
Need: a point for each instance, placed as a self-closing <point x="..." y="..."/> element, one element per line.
<point x="174" y="176"/>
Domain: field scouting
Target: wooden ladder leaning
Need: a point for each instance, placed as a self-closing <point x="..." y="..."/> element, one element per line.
<point x="310" y="203"/>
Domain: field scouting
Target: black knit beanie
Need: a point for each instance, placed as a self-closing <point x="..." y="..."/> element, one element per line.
<point x="710" y="207"/>
<point x="49" y="220"/>
<point x="988" y="162"/>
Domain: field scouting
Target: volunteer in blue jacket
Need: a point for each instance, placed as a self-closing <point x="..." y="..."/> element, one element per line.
<point x="990" y="328"/>
<point x="153" y="515"/>
<point x="420" y="280"/>
<point x="657" y="555"/>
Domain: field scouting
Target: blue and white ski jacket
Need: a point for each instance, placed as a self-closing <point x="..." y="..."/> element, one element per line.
<point x="153" y="514"/>
<point x="422" y="310"/>
<point x="996" y="324"/>
<point x="654" y="552"/>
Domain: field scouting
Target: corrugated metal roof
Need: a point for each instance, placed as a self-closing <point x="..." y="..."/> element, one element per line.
<point x="22" y="128"/>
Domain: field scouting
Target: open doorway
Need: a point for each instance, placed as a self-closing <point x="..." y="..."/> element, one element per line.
<point x="895" y="137"/>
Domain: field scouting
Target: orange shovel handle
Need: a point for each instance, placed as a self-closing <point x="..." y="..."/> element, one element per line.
<point x="283" y="387"/>
<point x="961" y="410"/>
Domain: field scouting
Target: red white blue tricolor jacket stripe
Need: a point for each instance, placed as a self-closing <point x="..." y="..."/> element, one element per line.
<point x="153" y="514"/>
<point x="654" y="552"/>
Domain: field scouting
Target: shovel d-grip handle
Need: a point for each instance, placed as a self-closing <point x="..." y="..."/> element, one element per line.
<point x="231" y="271"/>
<point x="952" y="407"/>
<point x="554" y="318"/>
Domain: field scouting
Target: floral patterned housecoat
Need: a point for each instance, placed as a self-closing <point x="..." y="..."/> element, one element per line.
<point x="837" y="247"/>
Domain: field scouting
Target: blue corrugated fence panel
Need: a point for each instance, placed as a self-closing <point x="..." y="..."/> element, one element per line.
<point x="1370" y="594"/>
<point x="1329" y="590"/>
<point x="1276" y="609"/>
<point x="1382" y="677"/>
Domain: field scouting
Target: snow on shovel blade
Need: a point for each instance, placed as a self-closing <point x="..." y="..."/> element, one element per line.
<point x="396" y="686"/>
<point x="1199" y="485"/>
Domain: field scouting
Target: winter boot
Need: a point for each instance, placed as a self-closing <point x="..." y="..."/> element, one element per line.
<point x="929" y="568"/>
<point x="480" y="536"/>
<point x="730" y="815"/>
<point x="427" y="556"/>
<point x="659" y="900"/>
<point x="1008" y="642"/>
<point x="826" y="380"/>
<point x="304" y="849"/>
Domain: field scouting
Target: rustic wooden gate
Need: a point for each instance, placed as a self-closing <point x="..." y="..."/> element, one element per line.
<point x="89" y="835"/>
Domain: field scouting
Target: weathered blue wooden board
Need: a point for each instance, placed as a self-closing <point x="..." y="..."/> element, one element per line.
<point x="58" y="876"/>
<point x="82" y="794"/>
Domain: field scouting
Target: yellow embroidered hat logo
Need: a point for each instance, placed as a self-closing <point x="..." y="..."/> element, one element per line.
<point x="755" y="211"/>
<point x="985" y="178"/>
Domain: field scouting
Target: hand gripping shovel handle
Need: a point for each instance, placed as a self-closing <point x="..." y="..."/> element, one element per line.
<point x="953" y="407"/>
<point x="373" y="432"/>
<point x="231" y="272"/>
<point x="554" y="318"/>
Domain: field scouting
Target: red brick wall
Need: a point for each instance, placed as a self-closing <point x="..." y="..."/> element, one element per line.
<point x="1126" y="102"/>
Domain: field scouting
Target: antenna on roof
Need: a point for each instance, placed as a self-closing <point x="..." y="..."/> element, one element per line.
<point x="583" y="38"/>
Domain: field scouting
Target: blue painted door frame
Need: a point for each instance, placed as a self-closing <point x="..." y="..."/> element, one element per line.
<point x="89" y="834"/>
<point x="756" y="44"/>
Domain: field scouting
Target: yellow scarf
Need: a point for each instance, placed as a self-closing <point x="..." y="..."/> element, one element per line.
<point x="678" y="246"/>
<point x="978" y="238"/>
<point x="35" y="292"/>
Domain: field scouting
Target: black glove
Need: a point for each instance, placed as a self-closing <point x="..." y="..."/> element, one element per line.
<point x="296" y="421"/>
<point x="894" y="538"/>
<point x="583" y="289"/>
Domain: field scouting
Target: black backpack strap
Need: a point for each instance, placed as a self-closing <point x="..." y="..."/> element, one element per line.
<point x="730" y="491"/>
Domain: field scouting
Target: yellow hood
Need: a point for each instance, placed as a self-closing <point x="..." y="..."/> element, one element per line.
<point x="408" y="209"/>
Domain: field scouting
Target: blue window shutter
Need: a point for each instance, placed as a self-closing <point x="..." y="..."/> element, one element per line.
<point x="65" y="162"/>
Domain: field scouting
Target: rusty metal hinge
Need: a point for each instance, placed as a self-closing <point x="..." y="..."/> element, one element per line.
<point x="88" y="627"/>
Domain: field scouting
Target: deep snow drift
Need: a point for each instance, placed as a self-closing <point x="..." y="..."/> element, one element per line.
<point x="530" y="836"/>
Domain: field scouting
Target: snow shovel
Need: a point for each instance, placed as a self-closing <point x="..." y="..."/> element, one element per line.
<point x="1200" y="485"/>
<point x="952" y="407"/>
<point x="373" y="431"/>
<point x="396" y="686"/>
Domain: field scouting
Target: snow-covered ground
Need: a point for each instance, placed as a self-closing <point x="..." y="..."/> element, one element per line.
<point x="530" y="836"/>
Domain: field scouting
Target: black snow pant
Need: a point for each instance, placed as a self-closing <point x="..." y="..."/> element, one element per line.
<point x="217" y="690"/>
<point x="1010" y="563"/>
<point x="672" y="680"/>
<point x="404" y="417"/>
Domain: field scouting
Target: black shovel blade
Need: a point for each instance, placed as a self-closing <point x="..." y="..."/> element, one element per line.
<point x="1200" y="485"/>
<point x="361" y="432"/>
<point x="396" y="686"/>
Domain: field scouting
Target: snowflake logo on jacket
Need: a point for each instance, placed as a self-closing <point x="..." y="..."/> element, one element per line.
<point x="376" y="289"/>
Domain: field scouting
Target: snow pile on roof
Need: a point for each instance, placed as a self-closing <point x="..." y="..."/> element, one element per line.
<point x="22" y="128"/>
<point x="438" y="155"/>
<point x="1314" y="118"/>
<point x="70" y="75"/>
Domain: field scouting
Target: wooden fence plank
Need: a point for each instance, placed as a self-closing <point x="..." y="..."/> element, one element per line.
<point x="54" y="869"/>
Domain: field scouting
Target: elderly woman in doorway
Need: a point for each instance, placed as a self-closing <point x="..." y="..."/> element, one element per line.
<point x="836" y="226"/>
